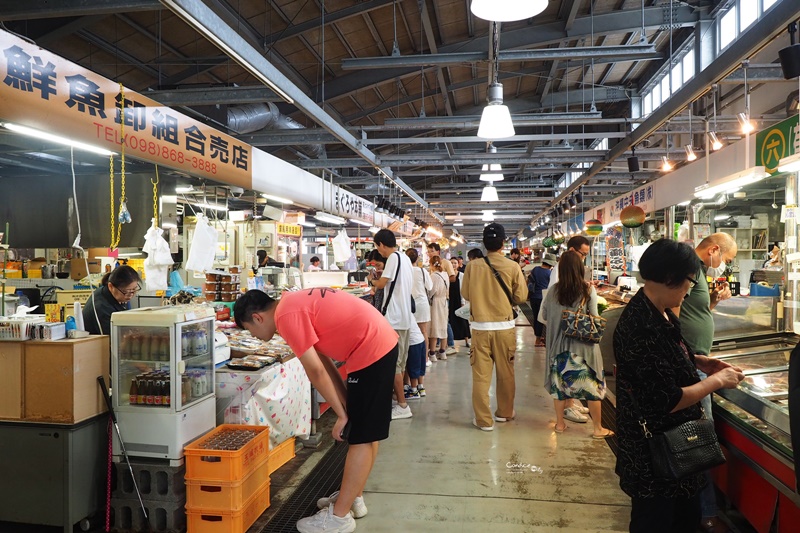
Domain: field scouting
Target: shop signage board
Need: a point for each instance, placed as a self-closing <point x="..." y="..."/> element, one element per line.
<point x="777" y="142"/>
<point x="41" y="90"/>
<point x="288" y="229"/>
<point x="349" y="205"/>
<point x="643" y="196"/>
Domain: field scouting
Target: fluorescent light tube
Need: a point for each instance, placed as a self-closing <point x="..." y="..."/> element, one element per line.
<point x="45" y="136"/>
<point x="278" y="199"/>
<point x="729" y="183"/>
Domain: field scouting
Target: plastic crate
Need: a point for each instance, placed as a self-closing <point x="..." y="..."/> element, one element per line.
<point x="211" y="521"/>
<point x="281" y="454"/>
<point x="226" y="495"/>
<point x="226" y="465"/>
<point x="18" y="329"/>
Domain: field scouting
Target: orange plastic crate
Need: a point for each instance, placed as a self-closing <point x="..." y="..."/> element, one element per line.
<point x="226" y="465"/>
<point x="281" y="454"/>
<point x="225" y="495"/>
<point x="212" y="521"/>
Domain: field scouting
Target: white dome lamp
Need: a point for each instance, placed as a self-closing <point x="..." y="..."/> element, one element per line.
<point x="507" y="10"/>
<point x="496" y="120"/>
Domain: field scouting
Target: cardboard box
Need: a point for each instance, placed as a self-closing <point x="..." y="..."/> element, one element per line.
<point x="77" y="267"/>
<point x="11" y="380"/>
<point x="60" y="379"/>
<point x="91" y="253"/>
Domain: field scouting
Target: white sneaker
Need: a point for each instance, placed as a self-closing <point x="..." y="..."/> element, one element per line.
<point x="580" y="408"/>
<point x="451" y="350"/>
<point x="428" y="362"/>
<point x="506" y="419"/>
<point x="482" y="428"/>
<point x="442" y="356"/>
<point x="359" y="508"/>
<point x="326" y="522"/>
<point x="432" y="357"/>
<point x="573" y="415"/>
<point x="401" y="412"/>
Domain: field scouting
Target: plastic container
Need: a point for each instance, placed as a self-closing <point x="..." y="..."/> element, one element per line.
<point x="213" y="521"/>
<point x="22" y="299"/>
<point x="226" y="495"/>
<point x="226" y="465"/>
<point x="18" y="329"/>
<point x="281" y="454"/>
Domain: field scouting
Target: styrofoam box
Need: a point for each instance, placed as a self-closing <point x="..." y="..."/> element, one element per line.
<point x="760" y="222"/>
<point x="742" y="222"/>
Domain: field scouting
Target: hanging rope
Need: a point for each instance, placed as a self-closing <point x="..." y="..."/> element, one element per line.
<point x="155" y="198"/>
<point x="111" y="203"/>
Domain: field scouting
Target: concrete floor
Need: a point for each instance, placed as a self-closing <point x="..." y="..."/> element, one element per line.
<point x="437" y="472"/>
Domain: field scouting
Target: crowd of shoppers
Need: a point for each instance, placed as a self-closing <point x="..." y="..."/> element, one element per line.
<point x="661" y="345"/>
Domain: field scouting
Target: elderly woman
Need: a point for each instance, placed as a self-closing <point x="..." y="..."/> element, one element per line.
<point x="656" y="368"/>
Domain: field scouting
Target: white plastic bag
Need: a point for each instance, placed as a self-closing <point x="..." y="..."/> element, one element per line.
<point x="463" y="311"/>
<point x="158" y="259"/>
<point x="341" y="247"/>
<point x="204" y="242"/>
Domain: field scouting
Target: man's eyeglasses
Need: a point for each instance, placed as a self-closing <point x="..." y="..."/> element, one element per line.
<point x="131" y="292"/>
<point x="692" y="281"/>
<point x="583" y="254"/>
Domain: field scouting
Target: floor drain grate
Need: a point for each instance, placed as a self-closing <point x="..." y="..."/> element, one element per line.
<point x="609" y="417"/>
<point x="323" y="480"/>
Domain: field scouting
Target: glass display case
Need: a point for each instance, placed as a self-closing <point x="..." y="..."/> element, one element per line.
<point x="163" y="377"/>
<point x="753" y="425"/>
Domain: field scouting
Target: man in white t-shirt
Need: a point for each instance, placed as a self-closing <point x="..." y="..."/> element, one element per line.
<point x="396" y="283"/>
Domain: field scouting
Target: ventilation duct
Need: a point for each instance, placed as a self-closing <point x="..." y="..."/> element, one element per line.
<point x="254" y="117"/>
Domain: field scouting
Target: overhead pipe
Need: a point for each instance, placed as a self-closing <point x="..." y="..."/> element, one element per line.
<point x="250" y="118"/>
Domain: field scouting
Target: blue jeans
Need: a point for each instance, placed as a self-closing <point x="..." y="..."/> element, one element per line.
<point x="708" y="496"/>
<point x="450" y="341"/>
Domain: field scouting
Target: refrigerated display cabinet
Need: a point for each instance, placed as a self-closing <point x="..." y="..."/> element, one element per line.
<point x="163" y="378"/>
<point x="753" y="425"/>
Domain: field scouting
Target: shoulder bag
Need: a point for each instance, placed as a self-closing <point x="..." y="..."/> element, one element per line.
<point x="581" y="325"/>
<point x="391" y="290"/>
<point x="686" y="449"/>
<point x="505" y="289"/>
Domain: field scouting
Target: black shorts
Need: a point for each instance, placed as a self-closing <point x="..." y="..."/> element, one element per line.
<point x="369" y="400"/>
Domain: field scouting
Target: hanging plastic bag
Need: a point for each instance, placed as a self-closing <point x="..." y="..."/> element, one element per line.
<point x="124" y="216"/>
<point x="204" y="242"/>
<point x="341" y="247"/>
<point x="158" y="261"/>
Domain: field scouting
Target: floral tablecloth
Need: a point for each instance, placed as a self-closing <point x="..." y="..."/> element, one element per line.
<point x="278" y="396"/>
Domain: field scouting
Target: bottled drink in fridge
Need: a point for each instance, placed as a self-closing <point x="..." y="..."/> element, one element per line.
<point x="150" y="388"/>
<point x="133" y="393"/>
<point x="185" y="343"/>
<point x="165" y="392"/>
<point x="158" y="393"/>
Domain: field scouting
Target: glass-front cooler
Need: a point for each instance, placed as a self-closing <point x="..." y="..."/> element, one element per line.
<point x="753" y="424"/>
<point x="163" y="378"/>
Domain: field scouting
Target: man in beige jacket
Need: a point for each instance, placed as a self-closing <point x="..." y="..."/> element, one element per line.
<point x="494" y="340"/>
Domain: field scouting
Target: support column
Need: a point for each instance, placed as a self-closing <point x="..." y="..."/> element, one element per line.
<point x="669" y="223"/>
<point x="789" y="307"/>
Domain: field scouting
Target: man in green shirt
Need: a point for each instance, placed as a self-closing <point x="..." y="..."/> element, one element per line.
<point x="697" y="327"/>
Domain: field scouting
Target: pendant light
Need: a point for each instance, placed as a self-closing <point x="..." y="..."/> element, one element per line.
<point x="507" y="10"/>
<point x="744" y="118"/>
<point x="489" y="194"/>
<point x="492" y="171"/>
<point x="716" y="143"/>
<point x="689" y="149"/>
<point x="496" y="118"/>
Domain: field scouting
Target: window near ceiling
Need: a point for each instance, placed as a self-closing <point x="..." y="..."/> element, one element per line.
<point x="748" y="13"/>
<point x="677" y="76"/>
<point x="769" y="3"/>
<point x="648" y="103"/>
<point x="688" y="65"/>
<point x="656" y="96"/>
<point x="665" y="89"/>
<point x="727" y="28"/>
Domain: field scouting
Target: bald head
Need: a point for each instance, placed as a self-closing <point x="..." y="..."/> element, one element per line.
<point x="722" y="240"/>
<point x="716" y="247"/>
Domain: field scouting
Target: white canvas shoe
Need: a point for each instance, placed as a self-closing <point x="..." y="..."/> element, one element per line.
<point x="359" y="508"/>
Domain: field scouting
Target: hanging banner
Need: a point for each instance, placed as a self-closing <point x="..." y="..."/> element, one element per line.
<point x="349" y="205"/>
<point x="777" y="142"/>
<point x="44" y="91"/>
<point x="643" y="196"/>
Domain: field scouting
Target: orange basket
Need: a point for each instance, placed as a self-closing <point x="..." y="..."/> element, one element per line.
<point x="207" y="464"/>
<point x="281" y="454"/>
<point x="211" y="521"/>
<point x="226" y="496"/>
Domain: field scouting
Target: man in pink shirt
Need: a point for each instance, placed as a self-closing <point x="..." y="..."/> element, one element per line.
<point x="322" y="325"/>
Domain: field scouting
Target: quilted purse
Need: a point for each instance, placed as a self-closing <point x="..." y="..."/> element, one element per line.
<point x="686" y="449"/>
<point x="582" y="325"/>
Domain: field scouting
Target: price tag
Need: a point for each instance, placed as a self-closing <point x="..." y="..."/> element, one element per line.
<point x="189" y="316"/>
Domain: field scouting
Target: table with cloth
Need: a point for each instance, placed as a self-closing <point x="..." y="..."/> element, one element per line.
<point x="278" y="396"/>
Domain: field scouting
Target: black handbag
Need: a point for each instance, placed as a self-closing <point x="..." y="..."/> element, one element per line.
<point x="686" y="449"/>
<point x="503" y="285"/>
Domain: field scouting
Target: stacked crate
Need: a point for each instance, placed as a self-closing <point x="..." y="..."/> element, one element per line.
<point x="227" y="479"/>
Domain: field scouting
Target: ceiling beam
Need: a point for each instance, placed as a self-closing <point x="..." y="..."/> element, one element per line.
<point x="16" y="10"/>
<point x="226" y="37"/>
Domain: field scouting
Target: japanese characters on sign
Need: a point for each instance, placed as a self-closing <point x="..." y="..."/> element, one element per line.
<point x="642" y="196"/>
<point x="288" y="229"/>
<point x="351" y="206"/>
<point x="43" y="91"/>
<point x="776" y="142"/>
